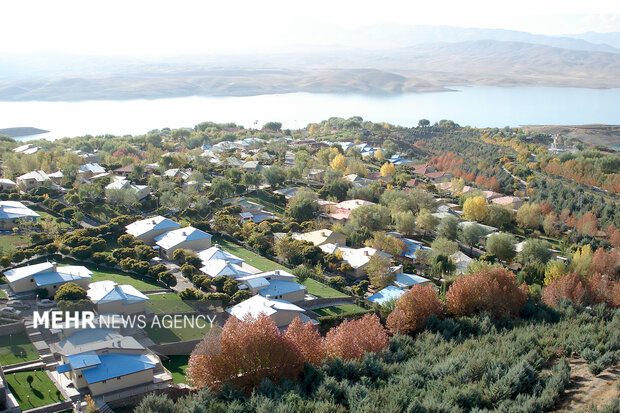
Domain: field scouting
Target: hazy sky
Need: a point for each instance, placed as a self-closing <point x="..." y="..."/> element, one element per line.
<point x="136" y="27"/>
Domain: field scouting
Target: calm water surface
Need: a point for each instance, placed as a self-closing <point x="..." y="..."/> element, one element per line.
<point x="479" y="106"/>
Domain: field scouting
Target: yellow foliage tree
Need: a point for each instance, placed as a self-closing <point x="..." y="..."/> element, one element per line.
<point x="555" y="269"/>
<point x="388" y="169"/>
<point x="582" y="259"/>
<point x="475" y="208"/>
<point x="313" y="129"/>
<point x="339" y="162"/>
<point x="379" y="155"/>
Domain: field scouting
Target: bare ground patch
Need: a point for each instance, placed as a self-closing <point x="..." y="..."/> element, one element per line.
<point x="586" y="390"/>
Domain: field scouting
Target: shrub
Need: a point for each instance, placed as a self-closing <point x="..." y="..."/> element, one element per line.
<point x="413" y="309"/>
<point x="352" y="338"/>
<point x="337" y="282"/>
<point x="141" y="267"/>
<point x="568" y="286"/>
<point x="239" y="296"/>
<point x="191" y="294"/>
<point x="302" y="273"/>
<point x="99" y="257"/>
<point x="70" y="292"/>
<point x="188" y="270"/>
<point x="156" y="269"/>
<point x="82" y="252"/>
<point x="494" y="290"/>
<point x="167" y="278"/>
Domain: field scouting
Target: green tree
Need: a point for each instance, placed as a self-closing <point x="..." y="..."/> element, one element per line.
<point x="443" y="246"/>
<point x="502" y="245"/>
<point x="70" y="292"/>
<point x="470" y="235"/>
<point x="426" y="221"/>
<point x="378" y="270"/>
<point x="535" y="250"/>
<point x="448" y="227"/>
<point x="498" y="216"/>
<point x="274" y="176"/>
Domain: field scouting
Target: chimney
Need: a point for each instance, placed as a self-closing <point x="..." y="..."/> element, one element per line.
<point x="366" y="253"/>
<point x="323" y="233"/>
<point x="277" y="272"/>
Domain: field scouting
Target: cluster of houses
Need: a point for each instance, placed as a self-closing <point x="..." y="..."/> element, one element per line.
<point x="14" y="212"/>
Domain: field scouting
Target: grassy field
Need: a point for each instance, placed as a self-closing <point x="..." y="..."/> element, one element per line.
<point x="141" y="285"/>
<point x="321" y="290"/>
<point x="177" y="365"/>
<point x="61" y="224"/>
<point x="16" y="348"/>
<point x="260" y="198"/>
<point x="167" y="303"/>
<point x="161" y="335"/>
<point x="41" y="393"/>
<point x="340" y="309"/>
<point x="11" y="241"/>
<point x="250" y="257"/>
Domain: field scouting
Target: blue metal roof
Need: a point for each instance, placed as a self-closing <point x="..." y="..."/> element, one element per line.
<point x="388" y="293"/>
<point x="83" y="360"/>
<point x="64" y="368"/>
<point x="280" y="287"/>
<point x="117" y="365"/>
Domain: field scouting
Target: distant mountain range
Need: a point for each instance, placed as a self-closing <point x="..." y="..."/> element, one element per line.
<point x="376" y="59"/>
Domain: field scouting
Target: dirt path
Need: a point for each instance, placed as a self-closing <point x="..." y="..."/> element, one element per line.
<point x="586" y="390"/>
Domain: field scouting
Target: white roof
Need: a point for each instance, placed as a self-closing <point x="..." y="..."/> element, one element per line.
<point x="7" y="182"/>
<point x="260" y="305"/>
<point x="39" y="176"/>
<point x="48" y="273"/>
<point x="216" y="253"/>
<point x="103" y="292"/>
<point x="15" y="210"/>
<point x="150" y="224"/>
<point x="217" y="267"/>
<point x="178" y="236"/>
<point x="353" y="203"/>
<point x="358" y="257"/>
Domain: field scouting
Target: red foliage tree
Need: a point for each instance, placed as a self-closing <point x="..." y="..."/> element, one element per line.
<point x="614" y="238"/>
<point x="494" y="290"/>
<point x="352" y="338"/>
<point x="602" y="288"/>
<point x="606" y="262"/>
<point x="588" y="223"/>
<point x="307" y="340"/>
<point x="569" y="286"/>
<point x="246" y="352"/>
<point x="413" y="309"/>
<point x="545" y="207"/>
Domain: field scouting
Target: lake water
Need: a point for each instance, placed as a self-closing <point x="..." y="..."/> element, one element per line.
<point x="478" y="106"/>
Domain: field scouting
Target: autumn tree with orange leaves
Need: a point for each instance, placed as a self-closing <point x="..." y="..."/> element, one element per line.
<point x="308" y="341"/>
<point x="568" y="286"/>
<point x="352" y="338"/>
<point x="246" y="352"/>
<point x="413" y="309"/>
<point x="494" y="290"/>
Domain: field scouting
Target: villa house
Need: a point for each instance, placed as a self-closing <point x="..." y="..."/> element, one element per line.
<point x="7" y="184"/>
<point x="104" y="361"/>
<point x="111" y="298"/>
<point x="148" y="229"/>
<point x="32" y="179"/>
<point x="141" y="191"/>
<point x="282" y="312"/>
<point x="47" y="275"/>
<point x="186" y="238"/>
<point x="277" y="284"/>
<point x="510" y="202"/>
<point x="90" y="169"/>
<point x="321" y="236"/>
<point x="12" y="212"/>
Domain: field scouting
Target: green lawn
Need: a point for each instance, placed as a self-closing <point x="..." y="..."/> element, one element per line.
<point x="119" y="278"/>
<point x="321" y="290"/>
<point x="11" y="241"/>
<point x="16" y="348"/>
<point x="41" y="393"/>
<point x="251" y="258"/>
<point x="177" y="365"/>
<point x="61" y="224"/>
<point x="259" y="198"/>
<point x="161" y="335"/>
<point x="340" y="309"/>
<point x="167" y="303"/>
